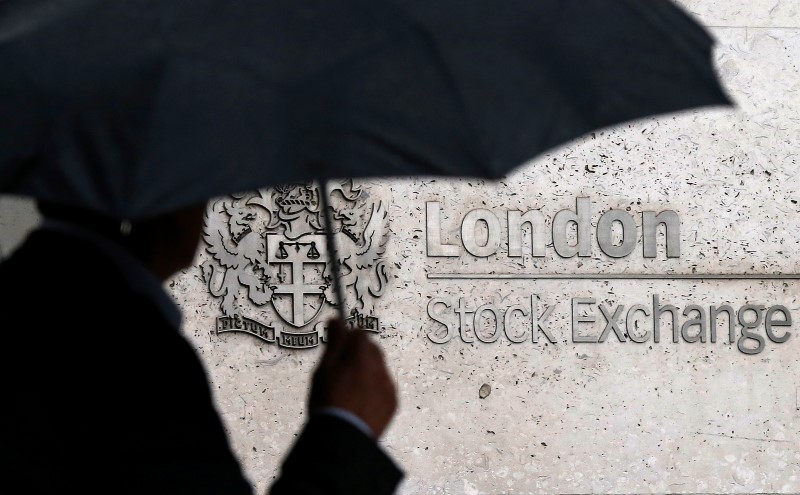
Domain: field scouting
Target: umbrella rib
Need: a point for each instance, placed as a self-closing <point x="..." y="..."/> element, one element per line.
<point x="331" y="242"/>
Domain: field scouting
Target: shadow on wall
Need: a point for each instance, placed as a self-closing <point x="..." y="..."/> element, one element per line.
<point x="18" y="216"/>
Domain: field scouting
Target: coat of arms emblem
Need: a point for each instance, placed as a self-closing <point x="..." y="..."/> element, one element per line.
<point x="270" y="268"/>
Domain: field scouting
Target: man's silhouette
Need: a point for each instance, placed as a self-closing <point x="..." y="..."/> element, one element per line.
<point x="101" y="393"/>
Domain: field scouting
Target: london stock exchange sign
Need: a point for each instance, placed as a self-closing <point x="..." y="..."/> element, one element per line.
<point x="269" y="266"/>
<point x="750" y="326"/>
<point x="271" y="272"/>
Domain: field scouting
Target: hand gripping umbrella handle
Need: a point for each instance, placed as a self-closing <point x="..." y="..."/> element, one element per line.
<point x="331" y="243"/>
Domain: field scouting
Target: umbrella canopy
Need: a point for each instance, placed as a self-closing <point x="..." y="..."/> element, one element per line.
<point x="137" y="107"/>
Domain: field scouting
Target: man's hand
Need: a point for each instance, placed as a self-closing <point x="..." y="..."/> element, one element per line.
<point x="353" y="376"/>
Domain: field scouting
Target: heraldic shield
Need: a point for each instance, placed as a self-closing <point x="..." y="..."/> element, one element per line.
<point x="298" y="291"/>
<point x="269" y="265"/>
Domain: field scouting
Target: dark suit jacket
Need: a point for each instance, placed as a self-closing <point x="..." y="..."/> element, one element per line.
<point x="100" y="394"/>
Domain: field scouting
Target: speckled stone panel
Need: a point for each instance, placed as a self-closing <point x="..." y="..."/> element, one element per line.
<point x="745" y="13"/>
<point x="565" y="417"/>
<point x="17" y="217"/>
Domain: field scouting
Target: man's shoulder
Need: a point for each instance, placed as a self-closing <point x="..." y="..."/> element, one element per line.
<point x="51" y="252"/>
<point x="54" y="278"/>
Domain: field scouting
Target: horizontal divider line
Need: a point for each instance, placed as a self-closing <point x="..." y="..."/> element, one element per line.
<point x="615" y="276"/>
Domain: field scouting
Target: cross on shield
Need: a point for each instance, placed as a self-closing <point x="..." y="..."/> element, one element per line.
<point x="298" y="294"/>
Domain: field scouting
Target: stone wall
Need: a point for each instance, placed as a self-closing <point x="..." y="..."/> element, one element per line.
<point x="566" y="416"/>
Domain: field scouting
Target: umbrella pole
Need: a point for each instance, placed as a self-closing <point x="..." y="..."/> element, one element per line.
<point x="331" y="243"/>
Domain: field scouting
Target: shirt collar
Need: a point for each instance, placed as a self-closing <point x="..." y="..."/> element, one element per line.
<point x="139" y="278"/>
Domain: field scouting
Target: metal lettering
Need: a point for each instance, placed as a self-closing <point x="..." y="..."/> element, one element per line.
<point x="658" y="310"/>
<point x="582" y="220"/>
<point x="727" y="309"/>
<point x="771" y="322"/>
<point x="672" y="224"/>
<point x="462" y="312"/>
<point x="629" y="233"/>
<point x="321" y="328"/>
<point x="611" y="323"/>
<point x="433" y="335"/>
<point x="538" y="324"/>
<point x="498" y="322"/>
<point x="516" y="221"/>
<point x="699" y="321"/>
<point x="630" y="323"/>
<point x="363" y="321"/>
<point x="578" y="318"/>
<point x="433" y="232"/>
<point x="224" y="323"/>
<point x="750" y="325"/>
<point x="468" y="225"/>
<point x="518" y="308"/>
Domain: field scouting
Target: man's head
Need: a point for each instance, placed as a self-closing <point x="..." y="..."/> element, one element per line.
<point x="165" y="244"/>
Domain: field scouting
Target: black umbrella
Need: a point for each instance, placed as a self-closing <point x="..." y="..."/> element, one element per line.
<point x="137" y="107"/>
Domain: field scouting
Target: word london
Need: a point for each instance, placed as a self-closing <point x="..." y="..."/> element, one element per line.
<point x="581" y="219"/>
